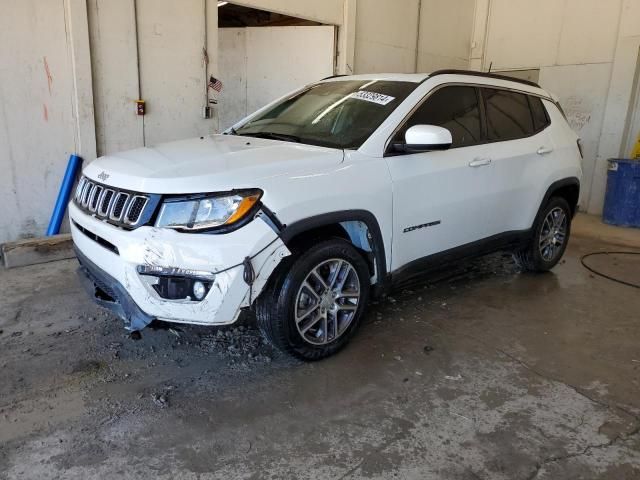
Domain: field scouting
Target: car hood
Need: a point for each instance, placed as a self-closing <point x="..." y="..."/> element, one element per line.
<point x="211" y="163"/>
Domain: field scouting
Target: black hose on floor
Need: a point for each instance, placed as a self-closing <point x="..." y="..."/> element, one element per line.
<point x="608" y="277"/>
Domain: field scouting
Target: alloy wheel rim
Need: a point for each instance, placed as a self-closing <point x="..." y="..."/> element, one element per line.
<point x="553" y="234"/>
<point x="327" y="301"/>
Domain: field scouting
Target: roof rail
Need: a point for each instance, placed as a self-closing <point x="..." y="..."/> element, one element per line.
<point x="483" y="74"/>
<point x="333" y="76"/>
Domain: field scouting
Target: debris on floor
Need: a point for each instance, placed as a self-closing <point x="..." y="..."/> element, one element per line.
<point x="161" y="399"/>
<point x="81" y="398"/>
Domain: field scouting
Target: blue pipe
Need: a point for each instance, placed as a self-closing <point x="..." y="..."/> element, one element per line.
<point x="75" y="162"/>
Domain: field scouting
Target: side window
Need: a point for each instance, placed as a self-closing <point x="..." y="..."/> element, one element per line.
<point x="508" y="115"/>
<point x="454" y="108"/>
<point x="540" y="118"/>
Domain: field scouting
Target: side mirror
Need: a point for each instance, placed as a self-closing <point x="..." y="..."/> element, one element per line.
<point x="424" y="138"/>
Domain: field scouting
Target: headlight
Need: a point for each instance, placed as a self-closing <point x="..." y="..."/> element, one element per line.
<point x="207" y="212"/>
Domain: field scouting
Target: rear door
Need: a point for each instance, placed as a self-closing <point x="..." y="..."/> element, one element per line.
<point x="521" y="153"/>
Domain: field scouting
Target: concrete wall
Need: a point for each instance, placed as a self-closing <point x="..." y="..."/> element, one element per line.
<point x="153" y="51"/>
<point x="232" y="59"/>
<point x="150" y="49"/>
<point x="46" y="107"/>
<point x="171" y="37"/>
<point x="412" y="35"/>
<point x="624" y="83"/>
<point x="340" y="13"/>
<point x="263" y="63"/>
<point x="551" y="32"/>
<point x="578" y="46"/>
<point x="386" y="36"/>
<point x="112" y="30"/>
<point x="445" y="34"/>
<point x="60" y="59"/>
<point x="586" y="51"/>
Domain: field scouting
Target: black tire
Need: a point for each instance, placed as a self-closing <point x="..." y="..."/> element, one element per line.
<point x="275" y="308"/>
<point x="530" y="258"/>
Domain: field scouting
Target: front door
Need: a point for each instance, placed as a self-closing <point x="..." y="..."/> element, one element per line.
<point x="443" y="199"/>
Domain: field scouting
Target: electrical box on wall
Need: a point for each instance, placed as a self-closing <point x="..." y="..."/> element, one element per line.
<point x="207" y="112"/>
<point x="140" y="107"/>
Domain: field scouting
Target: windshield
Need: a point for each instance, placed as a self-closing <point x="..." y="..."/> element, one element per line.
<point x="338" y="114"/>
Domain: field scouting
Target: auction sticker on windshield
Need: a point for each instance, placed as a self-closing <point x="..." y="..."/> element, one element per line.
<point x="372" y="97"/>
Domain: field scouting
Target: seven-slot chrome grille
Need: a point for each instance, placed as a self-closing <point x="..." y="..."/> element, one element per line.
<point x="120" y="207"/>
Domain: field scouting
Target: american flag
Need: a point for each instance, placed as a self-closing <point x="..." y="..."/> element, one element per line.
<point x="215" y="84"/>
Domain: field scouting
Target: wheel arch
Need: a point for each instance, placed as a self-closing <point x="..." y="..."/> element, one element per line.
<point x="360" y="227"/>
<point x="567" y="188"/>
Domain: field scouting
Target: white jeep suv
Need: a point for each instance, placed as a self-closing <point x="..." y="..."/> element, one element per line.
<point x="327" y="197"/>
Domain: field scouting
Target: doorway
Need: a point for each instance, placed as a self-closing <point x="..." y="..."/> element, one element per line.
<point x="264" y="55"/>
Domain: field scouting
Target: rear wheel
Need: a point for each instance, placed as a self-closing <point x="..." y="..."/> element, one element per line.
<point x="314" y="303"/>
<point x="550" y="237"/>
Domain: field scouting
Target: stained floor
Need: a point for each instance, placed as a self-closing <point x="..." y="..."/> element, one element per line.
<point x="479" y="372"/>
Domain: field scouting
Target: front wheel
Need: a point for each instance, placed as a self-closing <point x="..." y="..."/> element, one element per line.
<point x="550" y="237"/>
<point x="313" y="305"/>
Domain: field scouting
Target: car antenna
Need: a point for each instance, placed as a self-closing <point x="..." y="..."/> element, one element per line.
<point x="490" y="65"/>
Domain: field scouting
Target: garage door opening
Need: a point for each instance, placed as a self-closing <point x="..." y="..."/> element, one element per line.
<point x="238" y="16"/>
<point x="263" y="55"/>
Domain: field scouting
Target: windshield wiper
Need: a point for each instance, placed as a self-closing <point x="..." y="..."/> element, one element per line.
<point x="272" y="136"/>
<point x="232" y="131"/>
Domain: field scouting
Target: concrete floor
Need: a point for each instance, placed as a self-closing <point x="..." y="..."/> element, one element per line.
<point x="477" y="373"/>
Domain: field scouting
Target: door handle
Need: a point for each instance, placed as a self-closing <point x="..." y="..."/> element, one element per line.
<point x="544" y="150"/>
<point x="479" y="162"/>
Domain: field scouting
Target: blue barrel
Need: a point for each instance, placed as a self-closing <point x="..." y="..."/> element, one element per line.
<point x="622" y="200"/>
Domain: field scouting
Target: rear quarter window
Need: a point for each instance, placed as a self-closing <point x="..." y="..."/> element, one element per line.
<point x="508" y="115"/>
<point x="539" y="113"/>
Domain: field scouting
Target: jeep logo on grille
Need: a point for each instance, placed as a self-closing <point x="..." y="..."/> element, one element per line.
<point x="103" y="176"/>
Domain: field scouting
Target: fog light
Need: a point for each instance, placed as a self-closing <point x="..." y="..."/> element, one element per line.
<point x="199" y="290"/>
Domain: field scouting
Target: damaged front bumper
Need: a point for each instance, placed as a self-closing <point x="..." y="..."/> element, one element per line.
<point x="107" y="292"/>
<point x="112" y="260"/>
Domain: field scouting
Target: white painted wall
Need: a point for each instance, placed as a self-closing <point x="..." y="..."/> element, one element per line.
<point x="584" y="104"/>
<point x="386" y="36"/>
<point x="44" y="116"/>
<point x="389" y="32"/>
<point x="112" y="30"/>
<point x="340" y="13"/>
<point x="232" y="58"/>
<point x="445" y="34"/>
<point x="282" y="59"/>
<point x="631" y="139"/>
<point x="594" y="41"/>
<point x="587" y="53"/>
<point x="261" y="64"/>
<point x="618" y="114"/>
<point x="171" y="70"/>
<point x="91" y="49"/>
<point x="525" y="34"/>
<point x="171" y="37"/>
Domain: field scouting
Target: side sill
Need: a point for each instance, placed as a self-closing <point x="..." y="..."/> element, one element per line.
<point x="495" y="243"/>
